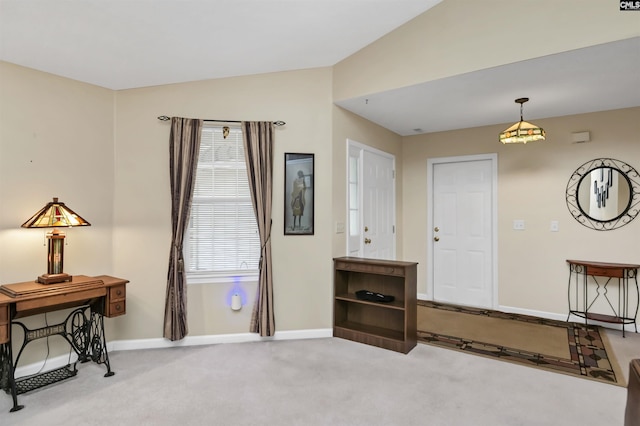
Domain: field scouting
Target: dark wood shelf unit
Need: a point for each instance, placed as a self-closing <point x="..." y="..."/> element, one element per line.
<point x="387" y="325"/>
<point x="352" y="298"/>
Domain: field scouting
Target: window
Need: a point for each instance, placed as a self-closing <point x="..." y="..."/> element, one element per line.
<point x="222" y="241"/>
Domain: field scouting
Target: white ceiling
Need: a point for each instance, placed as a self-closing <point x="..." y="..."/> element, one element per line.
<point x="121" y="44"/>
<point x="597" y="78"/>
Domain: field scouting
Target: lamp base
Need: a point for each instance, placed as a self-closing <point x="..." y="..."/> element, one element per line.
<point x="53" y="278"/>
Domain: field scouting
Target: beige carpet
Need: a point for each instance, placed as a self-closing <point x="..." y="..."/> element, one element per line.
<point x="314" y="382"/>
<point x="564" y="347"/>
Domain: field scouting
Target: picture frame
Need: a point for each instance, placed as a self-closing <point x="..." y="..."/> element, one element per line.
<point x="299" y="194"/>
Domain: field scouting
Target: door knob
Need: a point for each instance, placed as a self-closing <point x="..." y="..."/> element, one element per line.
<point x="436" y="239"/>
<point x="436" y="229"/>
<point x="367" y="241"/>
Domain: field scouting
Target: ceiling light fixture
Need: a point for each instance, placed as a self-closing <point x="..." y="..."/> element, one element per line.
<point x="522" y="131"/>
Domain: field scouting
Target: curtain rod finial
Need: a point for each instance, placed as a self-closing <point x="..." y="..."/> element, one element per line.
<point x="164" y="118"/>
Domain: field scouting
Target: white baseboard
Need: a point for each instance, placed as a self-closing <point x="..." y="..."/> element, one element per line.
<point x="125" y="345"/>
<point x="512" y="310"/>
<point x="563" y="317"/>
<point x="45" y="365"/>
<point x="533" y="313"/>
<point x="157" y="343"/>
<point x="552" y="316"/>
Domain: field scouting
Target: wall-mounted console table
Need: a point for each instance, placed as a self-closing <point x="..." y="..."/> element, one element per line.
<point x="591" y="281"/>
<point x="386" y="325"/>
<point x="91" y="298"/>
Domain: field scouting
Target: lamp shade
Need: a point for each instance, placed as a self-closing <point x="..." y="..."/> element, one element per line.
<point x="522" y="131"/>
<point x="55" y="214"/>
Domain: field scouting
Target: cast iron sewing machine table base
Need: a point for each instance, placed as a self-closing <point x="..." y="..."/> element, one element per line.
<point x="83" y="328"/>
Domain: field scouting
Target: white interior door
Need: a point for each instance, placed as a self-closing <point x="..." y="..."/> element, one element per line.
<point x="462" y="230"/>
<point x="378" y="206"/>
<point x="355" y="240"/>
<point x="371" y="203"/>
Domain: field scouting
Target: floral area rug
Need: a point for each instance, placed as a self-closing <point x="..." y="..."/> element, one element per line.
<point x="563" y="347"/>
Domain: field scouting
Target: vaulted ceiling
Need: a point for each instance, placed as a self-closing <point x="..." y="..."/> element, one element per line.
<point x="137" y="43"/>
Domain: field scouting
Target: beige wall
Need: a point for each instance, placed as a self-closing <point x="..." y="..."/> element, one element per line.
<point x="347" y="125"/>
<point x="142" y="227"/>
<point x="460" y="36"/>
<point x="113" y="169"/>
<point x="56" y="140"/>
<point x="119" y="180"/>
<point x="106" y="155"/>
<point x="532" y="181"/>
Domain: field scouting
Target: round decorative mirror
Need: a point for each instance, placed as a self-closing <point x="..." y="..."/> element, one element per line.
<point x="604" y="194"/>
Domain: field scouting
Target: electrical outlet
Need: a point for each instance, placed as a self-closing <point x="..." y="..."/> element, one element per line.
<point x="518" y="225"/>
<point x="555" y="226"/>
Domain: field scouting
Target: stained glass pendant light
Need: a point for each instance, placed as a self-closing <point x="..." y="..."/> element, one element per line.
<point x="55" y="215"/>
<point x="522" y="131"/>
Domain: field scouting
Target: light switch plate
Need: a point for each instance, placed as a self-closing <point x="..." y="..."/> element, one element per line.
<point x="518" y="225"/>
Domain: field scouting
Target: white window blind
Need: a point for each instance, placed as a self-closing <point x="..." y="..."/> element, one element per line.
<point x="222" y="238"/>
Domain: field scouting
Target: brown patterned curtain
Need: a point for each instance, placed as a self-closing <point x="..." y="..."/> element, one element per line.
<point x="184" y="145"/>
<point x="258" y="148"/>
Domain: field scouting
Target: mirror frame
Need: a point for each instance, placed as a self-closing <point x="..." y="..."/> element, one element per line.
<point x="633" y="207"/>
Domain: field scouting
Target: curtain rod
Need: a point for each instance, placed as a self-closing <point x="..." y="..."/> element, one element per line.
<point x="275" y="123"/>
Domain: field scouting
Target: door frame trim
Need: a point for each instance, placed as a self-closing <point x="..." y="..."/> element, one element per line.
<point x="363" y="147"/>
<point x="431" y="162"/>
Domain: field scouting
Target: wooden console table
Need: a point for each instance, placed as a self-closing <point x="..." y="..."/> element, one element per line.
<point x="581" y="300"/>
<point x="93" y="299"/>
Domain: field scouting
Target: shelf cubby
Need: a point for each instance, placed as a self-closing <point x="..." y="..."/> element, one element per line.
<point x="389" y="325"/>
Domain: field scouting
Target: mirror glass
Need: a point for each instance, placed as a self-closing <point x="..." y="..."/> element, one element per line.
<point x="604" y="194"/>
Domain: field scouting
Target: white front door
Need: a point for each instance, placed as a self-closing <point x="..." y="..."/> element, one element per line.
<point x="371" y="199"/>
<point x="462" y="230"/>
